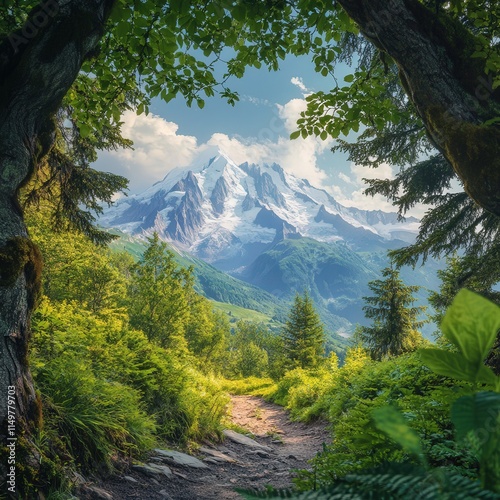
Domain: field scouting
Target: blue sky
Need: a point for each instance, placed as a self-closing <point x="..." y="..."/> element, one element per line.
<point x="256" y="129"/>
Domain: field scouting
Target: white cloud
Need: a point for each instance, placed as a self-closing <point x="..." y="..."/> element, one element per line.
<point x="357" y="198"/>
<point x="384" y="171"/>
<point x="298" y="82"/>
<point x="290" y="113"/>
<point x="345" y="178"/>
<point x="300" y="155"/>
<point x="257" y="101"/>
<point x="157" y="149"/>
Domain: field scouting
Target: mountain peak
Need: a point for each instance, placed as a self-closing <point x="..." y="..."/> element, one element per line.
<point x="215" y="203"/>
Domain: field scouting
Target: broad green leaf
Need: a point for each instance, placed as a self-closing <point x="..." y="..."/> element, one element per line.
<point x="85" y="130"/>
<point x="472" y="323"/>
<point x="348" y="78"/>
<point x="391" y="422"/>
<point x="478" y="412"/>
<point x="456" y="366"/>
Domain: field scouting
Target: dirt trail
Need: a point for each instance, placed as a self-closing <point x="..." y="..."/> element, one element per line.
<point x="285" y="446"/>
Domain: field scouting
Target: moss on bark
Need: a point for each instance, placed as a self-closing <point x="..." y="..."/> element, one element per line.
<point x="19" y="255"/>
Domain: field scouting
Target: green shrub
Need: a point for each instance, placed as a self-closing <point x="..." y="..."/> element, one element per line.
<point x="386" y="424"/>
<point x="95" y="417"/>
<point x="123" y="364"/>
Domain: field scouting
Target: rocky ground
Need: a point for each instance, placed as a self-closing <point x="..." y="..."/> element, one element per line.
<point x="214" y="471"/>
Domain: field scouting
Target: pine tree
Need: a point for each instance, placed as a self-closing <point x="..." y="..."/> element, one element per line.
<point x="395" y="326"/>
<point x="477" y="274"/>
<point x="471" y="272"/>
<point x="159" y="297"/>
<point x="303" y="334"/>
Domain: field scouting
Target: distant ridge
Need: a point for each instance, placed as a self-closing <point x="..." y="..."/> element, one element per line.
<point x="271" y="229"/>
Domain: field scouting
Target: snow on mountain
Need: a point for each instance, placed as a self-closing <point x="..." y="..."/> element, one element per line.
<point x="224" y="212"/>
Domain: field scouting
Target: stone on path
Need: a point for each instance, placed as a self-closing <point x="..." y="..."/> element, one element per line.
<point x="99" y="493"/>
<point x="153" y="470"/>
<point x="131" y="479"/>
<point x="244" y="440"/>
<point x="213" y="460"/>
<point x="178" y="458"/>
<point x="217" y="455"/>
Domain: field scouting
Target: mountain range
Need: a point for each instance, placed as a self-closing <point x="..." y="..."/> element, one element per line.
<point x="270" y="229"/>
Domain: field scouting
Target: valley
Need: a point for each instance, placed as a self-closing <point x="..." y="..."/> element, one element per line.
<point x="256" y="235"/>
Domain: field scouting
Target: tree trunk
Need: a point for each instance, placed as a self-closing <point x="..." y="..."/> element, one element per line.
<point x="450" y="89"/>
<point x="38" y="64"/>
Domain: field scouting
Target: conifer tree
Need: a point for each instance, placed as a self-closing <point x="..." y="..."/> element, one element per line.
<point x="469" y="272"/>
<point x="303" y="334"/>
<point x="159" y="297"/>
<point x="395" y="321"/>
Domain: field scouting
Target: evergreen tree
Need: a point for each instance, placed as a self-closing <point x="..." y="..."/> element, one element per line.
<point x="395" y="326"/>
<point x="255" y="351"/>
<point x="464" y="272"/>
<point x="303" y="334"/>
<point x="159" y="296"/>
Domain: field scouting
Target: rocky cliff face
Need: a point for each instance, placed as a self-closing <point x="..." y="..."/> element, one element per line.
<point x="228" y="214"/>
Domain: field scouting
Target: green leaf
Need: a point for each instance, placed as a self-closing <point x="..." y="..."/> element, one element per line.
<point x="391" y="422"/>
<point x="477" y="413"/>
<point x="295" y="135"/>
<point x="456" y="366"/>
<point x="471" y="324"/>
<point x="348" y="78"/>
<point x="85" y="130"/>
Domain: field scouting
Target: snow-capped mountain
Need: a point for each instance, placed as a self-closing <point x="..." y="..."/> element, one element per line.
<point x="228" y="214"/>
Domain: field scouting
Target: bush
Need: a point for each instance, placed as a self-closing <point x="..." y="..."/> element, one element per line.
<point x="111" y="369"/>
<point x="423" y="397"/>
<point x="95" y="417"/>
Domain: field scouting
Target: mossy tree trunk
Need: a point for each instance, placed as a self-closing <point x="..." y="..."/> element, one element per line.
<point x="450" y="89"/>
<point x="38" y="64"/>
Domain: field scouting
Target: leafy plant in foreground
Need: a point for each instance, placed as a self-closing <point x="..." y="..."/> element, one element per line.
<point x="471" y="325"/>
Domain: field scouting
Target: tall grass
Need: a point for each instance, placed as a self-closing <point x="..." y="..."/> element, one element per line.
<point x="95" y="417"/>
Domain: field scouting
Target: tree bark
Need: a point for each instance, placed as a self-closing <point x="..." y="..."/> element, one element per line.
<point x="38" y="64"/>
<point x="450" y="89"/>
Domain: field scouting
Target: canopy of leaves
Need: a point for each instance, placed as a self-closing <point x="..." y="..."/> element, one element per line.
<point x="162" y="49"/>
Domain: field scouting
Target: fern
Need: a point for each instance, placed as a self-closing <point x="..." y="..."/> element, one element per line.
<point x="412" y="482"/>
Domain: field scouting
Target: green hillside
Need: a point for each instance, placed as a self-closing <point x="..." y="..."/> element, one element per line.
<point x="335" y="276"/>
<point x="215" y="284"/>
<point x="243" y="300"/>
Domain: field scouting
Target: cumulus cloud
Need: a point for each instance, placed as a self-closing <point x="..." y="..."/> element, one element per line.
<point x="345" y="178"/>
<point x="384" y="171"/>
<point x="298" y="82"/>
<point x="300" y="155"/>
<point x="356" y="197"/>
<point x="157" y="149"/>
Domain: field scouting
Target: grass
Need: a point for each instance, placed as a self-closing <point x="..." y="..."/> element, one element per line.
<point x="240" y="313"/>
<point x="252" y="386"/>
